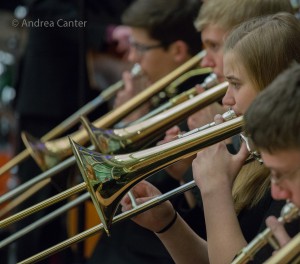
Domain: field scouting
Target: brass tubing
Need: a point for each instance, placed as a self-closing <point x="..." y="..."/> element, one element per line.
<point x="116" y="174"/>
<point x="23" y="197"/>
<point x="102" y="121"/>
<point x="133" y="137"/>
<point x="290" y="253"/>
<point x="35" y="208"/>
<point x="66" y="124"/>
<point x="47" y="174"/>
<point x="44" y="220"/>
<point x="288" y="214"/>
<point x="50" y="153"/>
<point x="123" y="216"/>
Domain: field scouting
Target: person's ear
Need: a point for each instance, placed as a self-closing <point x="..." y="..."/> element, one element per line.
<point x="180" y="51"/>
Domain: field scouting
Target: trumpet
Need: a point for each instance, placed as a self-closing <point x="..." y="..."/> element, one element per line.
<point x="108" y="178"/>
<point x="136" y="136"/>
<point x="73" y="119"/>
<point x="288" y="213"/>
<point x="48" y="154"/>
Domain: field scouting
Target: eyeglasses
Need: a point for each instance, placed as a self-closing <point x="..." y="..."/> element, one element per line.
<point x="250" y="147"/>
<point x="142" y="48"/>
<point x="277" y="177"/>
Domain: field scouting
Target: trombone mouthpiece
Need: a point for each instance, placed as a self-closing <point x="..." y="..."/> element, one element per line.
<point x="136" y="70"/>
<point x="210" y="81"/>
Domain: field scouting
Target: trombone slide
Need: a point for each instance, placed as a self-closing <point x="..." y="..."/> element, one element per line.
<point x="117" y="174"/>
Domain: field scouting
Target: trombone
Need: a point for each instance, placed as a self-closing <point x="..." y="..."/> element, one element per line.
<point x="108" y="178"/>
<point x="50" y="153"/>
<point x="213" y="95"/>
<point x="120" y="217"/>
<point x="288" y="213"/>
<point x="136" y="166"/>
<point x="73" y="119"/>
<point x="133" y="137"/>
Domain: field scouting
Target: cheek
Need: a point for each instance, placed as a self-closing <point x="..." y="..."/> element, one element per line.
<point x="245" y="100"/>
<point x="295" y="188"/>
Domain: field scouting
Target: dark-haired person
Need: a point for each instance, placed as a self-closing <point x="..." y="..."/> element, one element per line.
<point x="276" y="136"/>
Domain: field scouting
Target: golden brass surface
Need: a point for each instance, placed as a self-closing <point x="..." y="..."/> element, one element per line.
<point x="47" y="154"/>
<point x="116" y="174"/>
<point x="289" y="213"/>
<point x="70" y="121"/>
<point x="142" y="134"/>
<point x="290" y="253"/>
<point x="35" y="208"/>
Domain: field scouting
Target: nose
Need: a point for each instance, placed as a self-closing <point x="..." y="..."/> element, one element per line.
<point x="279" y="193"/>
<point x="208" y="61"/>
<point x="228" y="99"/>
<point x="133" y="56"/>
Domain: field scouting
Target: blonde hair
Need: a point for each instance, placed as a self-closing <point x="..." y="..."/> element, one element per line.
<point x="266" y="46"/>
<point x="227" y="14"/>
<point x="250" y="185"/>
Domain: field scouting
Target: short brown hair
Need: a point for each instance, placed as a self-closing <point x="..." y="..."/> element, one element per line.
<point x="166" y="21"/>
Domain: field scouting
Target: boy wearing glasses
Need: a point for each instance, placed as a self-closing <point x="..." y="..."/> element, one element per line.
<point x="163" y="37"/>
<point x="276" y="135"/>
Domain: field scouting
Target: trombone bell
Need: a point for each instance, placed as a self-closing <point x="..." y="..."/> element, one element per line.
<point x="41" y="153"/>
<point x="110" y="177"/>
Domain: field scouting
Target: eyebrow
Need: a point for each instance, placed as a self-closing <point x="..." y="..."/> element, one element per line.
<point x="232" y="78"/>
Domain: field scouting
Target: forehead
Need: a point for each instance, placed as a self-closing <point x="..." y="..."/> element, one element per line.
<point x="232" y="66"/>
<point x="284" y="160"/>
<point x="140" y="34"/>
<point x="213" y="33"/>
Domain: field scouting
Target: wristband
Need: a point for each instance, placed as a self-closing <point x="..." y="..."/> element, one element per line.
<point x="168" y="226"/>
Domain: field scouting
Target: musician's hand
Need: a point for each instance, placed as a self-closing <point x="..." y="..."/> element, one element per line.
<point x="278" y="230"/>
<point x="214" y="167"/>
<point x="132" y="87"/>
<point x="153" y="219"/>
<point x="171" y="134"/>
<point x="176" y="170"/>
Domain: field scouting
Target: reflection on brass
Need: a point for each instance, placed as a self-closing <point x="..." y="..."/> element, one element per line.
<point x="117" y="174"/>
<point x="49" y="153"/>
<point x="288" y="213"/>
<point x="61" y="128"/>
<point x="135" y="137"/>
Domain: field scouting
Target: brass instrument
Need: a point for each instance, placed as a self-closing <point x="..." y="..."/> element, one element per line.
<point x="288" y="213"/>
<point x="73" y="119"/>
<point x="209" y="82"/>
<point x="109" y="178"/>
<point x="125" y="170"/>
<point x="48" y="154"/>
<point x="121" y="217"/>
<point x="42" y="151"/>
<point x="290" y="253"/>
<point x="136" y="136"/>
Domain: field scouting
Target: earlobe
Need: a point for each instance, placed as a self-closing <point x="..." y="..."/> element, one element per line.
<point x="180" y="51"/>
